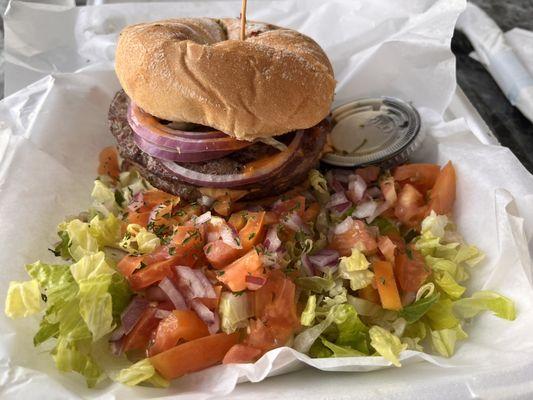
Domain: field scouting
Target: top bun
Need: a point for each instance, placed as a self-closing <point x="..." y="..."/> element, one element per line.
<point x="196" y="70"/>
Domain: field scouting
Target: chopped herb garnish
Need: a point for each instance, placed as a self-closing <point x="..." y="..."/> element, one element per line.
<point x="171" y="251"/>
<point x="142" y="265"/>
<point x="251" y="236"/>
<point x="409" y="253"/>
<point x="119" y="197"/>
<point x="208" y="249"/>
<point x="167" y="216"/>
<point x="220" y="273"/>
<point x="238" y="293"/>
<point x="382" y="281"/>
<point x="43" y="296"/>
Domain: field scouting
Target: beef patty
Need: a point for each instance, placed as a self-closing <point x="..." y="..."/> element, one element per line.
<point x="292" y="174"/>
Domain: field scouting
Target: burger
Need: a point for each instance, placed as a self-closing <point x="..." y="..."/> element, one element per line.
<point x="204" y="113"/>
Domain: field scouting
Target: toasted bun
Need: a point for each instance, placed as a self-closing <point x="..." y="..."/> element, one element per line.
<point x="195" y="70"/>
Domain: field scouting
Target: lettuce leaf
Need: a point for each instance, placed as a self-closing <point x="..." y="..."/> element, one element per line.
<point x="485" y="300"/>
<point x="441" y="316"/>
<point x="444" y="340"/>
<point x="234" y="311"/>
<point x="341" y="351"/>
<point x="141" y="371"/>
<point x="418" y="309"/>
<point x="386" y="344"/>
<point x="355" y="269"/>
<point x="23" y="299"/>
<point x="315" y="284"/>
<point x="308" y="314"/>
<point x="448" y="285"/>
<point x="138" y="240"/>
<point x="68" y="357"/>
<point x="106" y="231"/>
<point x="81" y="242"/>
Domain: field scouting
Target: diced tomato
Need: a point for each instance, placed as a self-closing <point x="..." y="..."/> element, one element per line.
<point x="261" y="337"/>
<point x="185" y="213"/>
<point x="253" y="232"/>
<point x="369" y="174"/>
<point x="387" y="248"/>
<point x="358" y="236"/>
<point x="140" y="335"/>
<point x="442" y="195"/>
<point x="151" y="274"/>
<point x="311" y="212"/>
<point x="139" y="218"/>
<point x="296" y="203"/>
<point x="237" y="220"/>
<point x="222" y="206"/>
<point x="410" y="208"/>
<point x="421" y="176"/>
<point x="109" y="162"/>
<point x="271" y="218"/>
<point x="241" y="353"/>
<point x="234" y="275"/>
<point x="129" y="264"/>
<point x="386" y="284"/>
<point x="188" y="243"/>
<point x="161" y="214"/>
<point x="219" y="254"/>
<point x="411" y="270"/>
<point x="193" y="356"/>
<point x="154" y="197"/>
<point x="179" y="325"/>
<point x="369" y="293"/>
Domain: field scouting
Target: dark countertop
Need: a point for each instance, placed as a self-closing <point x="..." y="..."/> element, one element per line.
<point x="511" y="128"/>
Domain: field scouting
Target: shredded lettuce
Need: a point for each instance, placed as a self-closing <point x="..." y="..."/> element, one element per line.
<point x="308" y="314"/>
<point x="106" y="230"/>
<point x="355" y="269"/>
<point x="23" y="299"/>
<point x="234" y="311"/>
<point x="138" y="240"/>
<point x="418" y="309"/>
<point x="141" y="371"/>
<point x="81" y="241"/>
<point x="341" y="351"/>
<point x="386" y="344"/>
<point x="444" y="340"/>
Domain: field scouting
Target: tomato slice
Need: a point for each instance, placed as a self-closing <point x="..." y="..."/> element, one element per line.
<point x="358" y="236"/>
<point x="141" y="333"/>
<point x="234" y="275"/>
<point x="109" y="162"/>
<point x="180" y="324"/>
<point x="154" y="197"/>
<point x="193" y="356"/>
<point x="411" y="270"/>
<point x="139" y="218"/>
<point x="151" y="274"/>
<point x="442" y="195"/>
<point x="421" y="176"/>
<point x="386" y="284"/>
<point x="410" y="208"/>
<point x="241" y="353"/>
<point x="253" y="232"/>
<point x="129" y="264"/>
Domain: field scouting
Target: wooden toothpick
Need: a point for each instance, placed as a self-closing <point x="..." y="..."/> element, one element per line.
<point x="243" y="19"/>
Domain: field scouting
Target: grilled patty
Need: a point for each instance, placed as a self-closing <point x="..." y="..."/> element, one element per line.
<point x="292" y="174"/>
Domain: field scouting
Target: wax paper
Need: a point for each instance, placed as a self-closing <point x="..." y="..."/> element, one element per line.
<point x="52" y="131"/>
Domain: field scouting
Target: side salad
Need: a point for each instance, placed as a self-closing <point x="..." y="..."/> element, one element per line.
<point x="149" y="287"/>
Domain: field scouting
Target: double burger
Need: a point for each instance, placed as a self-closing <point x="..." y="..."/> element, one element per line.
<point x="204" y="112"/>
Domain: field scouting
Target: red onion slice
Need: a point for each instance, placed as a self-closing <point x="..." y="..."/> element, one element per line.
<point x="208" y="286"/>
<point x="272" y="242"/>
<point x="294" y="222"/>
<point x="342" y="208"/>
<point x="173" y="294"/>
<point x="171" y="154"/>
<point x="116" y="346"/>
<point x="117" y="334"/>
<point x="155" y="293"/>
<point x="195" y="283"/>
<point x="230" y="237"/>
<point x="202" y="219"/>
<point x="254" y="282"/>
<point x="373" y="192"/>
<point x="253" y="172"/>
<point x="324" y="257"/>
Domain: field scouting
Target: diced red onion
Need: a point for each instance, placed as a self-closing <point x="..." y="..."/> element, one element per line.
<point x="194" y="286"/>
<point x="327" y="269"/>
<point x="208" y="286"/>
<point x="173" y="294"/>
<point x="337" y="186"/>
<point x="116" y="346"/>
<point x="272" y="242"/>
<point x="206" y="201"/>
<point x="295" y="223"/>
<point x="117" y="334"/>
<point x="373" y="192"/>
<point x="342" y="208"/>
<point x="136" y="203"/>
<point x="344" y="226"/>
<point x="307" y="267"/>
<point x="132" y="313"/>
<point x="408" y="298"/>
<point x="324" y="257"/>
<point x="356" y="188"/>
<point x="365" y="209"/>
<point x="342" y="175"/>
<point x="210" y="318"/>
<point x="155" y="293"/>
<point x="161" y="314"/>
<point x="268" y="259"/>
<point x="230" y="237"/>
<point x="202" y="219"/>
<point x="337" y="199"/>
<point x="254" y="282"/>
<point x="251" y="174"/>
<point x="381" y="208"/>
